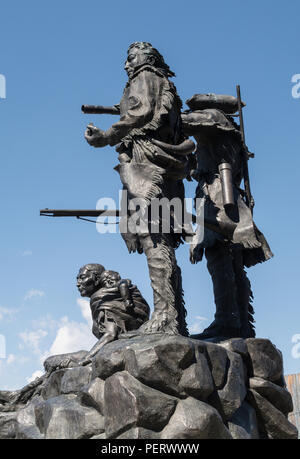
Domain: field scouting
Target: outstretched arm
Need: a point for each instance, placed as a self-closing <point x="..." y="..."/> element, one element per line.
<point x="141" y="106"/>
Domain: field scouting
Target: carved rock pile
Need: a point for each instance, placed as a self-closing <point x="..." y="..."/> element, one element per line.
<point x="161" y="387"/>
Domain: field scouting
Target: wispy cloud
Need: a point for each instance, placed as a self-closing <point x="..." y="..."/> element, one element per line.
<point x="45" y="322"/>
<point x="27" y="253"/>
<point x="85" y="310"/>
<point x="32" y="339"/>
<point x="35" y="374"/>
<point x="10" y="359"/>
<point x="197" y="326"/>
<point x="72" y="336"/>
<point x="48" y="336"/>
<point x="33" y="293"/>
<point x="7" y="313"/>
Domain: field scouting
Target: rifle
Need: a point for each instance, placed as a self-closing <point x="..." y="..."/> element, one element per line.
<point x="223" y="228"/>
<point x="246" y="154"/>
<point x="101" y="110"/>
<point x="79" y="214"/>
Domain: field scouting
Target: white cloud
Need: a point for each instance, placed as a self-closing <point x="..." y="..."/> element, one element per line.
<point x="2" y="347"/>
<point x="36" y="374"/>
<point x="10" y="359"/>
<point x="49" y="337"/>
<point x="46" y="323"/>
<point x="7" y="313"/>
<point x="200" y="318"/>
<point x="16" y="359"/>
<point x="32" y="339"/>
<point x="72" y="336"/>
<point x="33" y="293"/>
<point x="197" y="326"/>
<point x="85" y="310"/>
<point x="27" y="253"/>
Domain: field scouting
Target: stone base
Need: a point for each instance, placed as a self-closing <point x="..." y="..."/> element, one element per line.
<point x="161" y="387"/>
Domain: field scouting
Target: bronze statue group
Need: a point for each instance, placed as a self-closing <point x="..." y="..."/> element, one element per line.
<point x="155" y="156"/>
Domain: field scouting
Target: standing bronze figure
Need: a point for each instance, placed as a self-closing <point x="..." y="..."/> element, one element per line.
<point x="219" y="170"/>
<point x="152" y="164"/>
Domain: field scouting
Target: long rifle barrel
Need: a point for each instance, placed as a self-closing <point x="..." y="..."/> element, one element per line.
<point x="100" y="109"/>
<point x="222" y="228"/>
<point x="246" y="153"/>
<point x="78" y="213"/>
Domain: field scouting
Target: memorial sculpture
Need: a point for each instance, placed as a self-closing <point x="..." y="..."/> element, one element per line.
<point x="147" y="135"/>
<point x="147" y="378"/>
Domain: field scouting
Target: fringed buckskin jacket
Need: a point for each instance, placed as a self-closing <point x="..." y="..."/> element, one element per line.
<point x="149" y="109"/>
<point x="218" y="139"/>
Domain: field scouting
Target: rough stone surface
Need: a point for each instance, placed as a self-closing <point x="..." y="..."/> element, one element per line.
<point x="101" y="436"/>
<point x="157" y="386"/>
<point x="64" y="418"/>
<point x="109" y="360"/>
<point x="243" y="424"/>
<point x="237" y="345"/>
<point x="93" y="395"/>
<point x="52" y="387"/>
<point x="138" y="433"/>
<point x="195" y="420"/>
<point x="26" y="427"/>
<point x="277" y="395"/>
<point x="272" y="423"/>
<point x="219" y="364"/>
<point x="54" y="360"/>
<point x="197" y="380"/>
<point x="8" y="424"/>
<point x="146" y="366"/>
<point x="28" y="433"/>
<point x="157" y="366"/>
<point x="266" y="359"/>
<point x="74" y="378"/>
<point x="176" y="352"/>
<point x="129" y="403"/>
<point x="5" y="396"/>
<point x="234" y="392"/>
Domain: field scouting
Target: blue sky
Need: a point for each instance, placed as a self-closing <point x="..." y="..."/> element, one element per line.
<point x="56" y="56"/>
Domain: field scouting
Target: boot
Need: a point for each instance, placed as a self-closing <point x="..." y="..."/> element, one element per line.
<point x="227" y="321"/>
<point x="169" y="311"/>
<point x="244" y="296"/>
